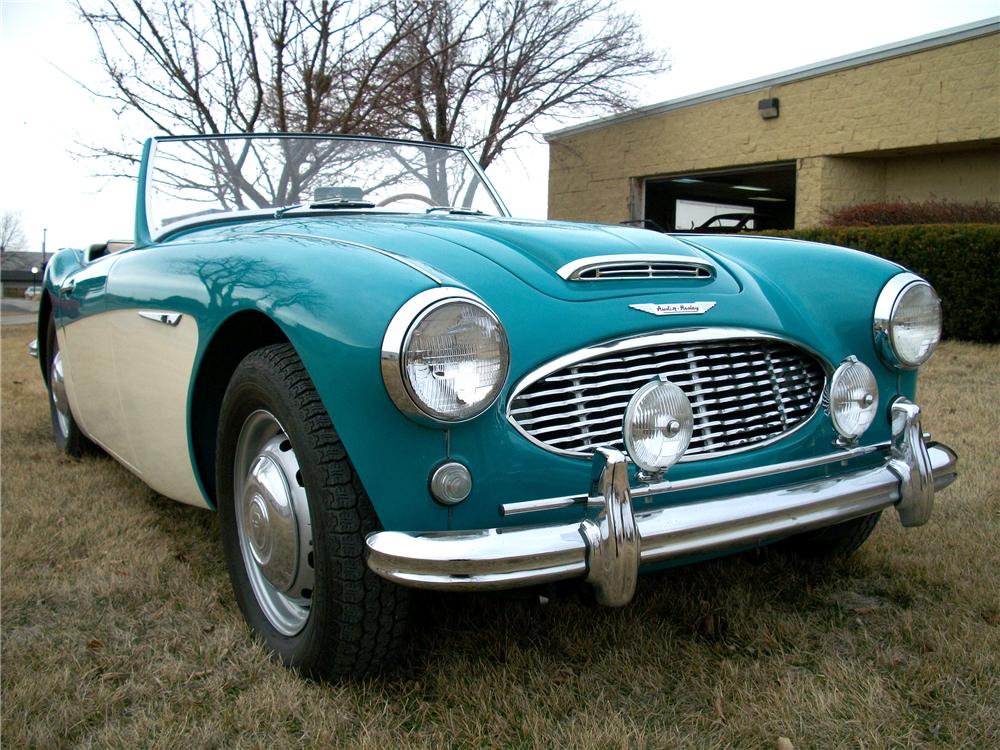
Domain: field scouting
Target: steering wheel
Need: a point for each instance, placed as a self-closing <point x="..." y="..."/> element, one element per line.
<point x="406" y="197"/>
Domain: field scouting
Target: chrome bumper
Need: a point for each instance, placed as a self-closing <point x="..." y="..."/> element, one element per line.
<point x="608" y="550"/>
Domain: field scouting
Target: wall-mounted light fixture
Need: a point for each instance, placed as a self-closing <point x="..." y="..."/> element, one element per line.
<point x="768" y="108"/>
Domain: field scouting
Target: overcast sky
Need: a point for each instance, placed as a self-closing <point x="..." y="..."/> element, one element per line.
<point x="712" y="43"/>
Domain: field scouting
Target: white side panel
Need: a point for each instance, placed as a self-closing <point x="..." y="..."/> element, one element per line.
<point x="154" y="362"/>
<point x="88" y="367"/>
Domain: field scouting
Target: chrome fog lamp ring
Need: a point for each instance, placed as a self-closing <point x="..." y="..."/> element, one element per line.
<point x="658" y="425"/>
<point x="471" y="391"/>
<point x="852" y="398"/>
<point x="907" y="321"/>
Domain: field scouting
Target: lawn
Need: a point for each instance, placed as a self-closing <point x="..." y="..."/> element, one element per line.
<point x="119" y="628"/>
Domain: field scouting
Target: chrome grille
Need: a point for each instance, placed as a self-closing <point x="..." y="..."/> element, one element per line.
<point x="743" y="391"/>
<point x="650" y="270"/>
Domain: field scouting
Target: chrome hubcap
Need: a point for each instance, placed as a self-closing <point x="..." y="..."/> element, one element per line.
<point x="57" y="387"/>
<point x="272" y="519"/>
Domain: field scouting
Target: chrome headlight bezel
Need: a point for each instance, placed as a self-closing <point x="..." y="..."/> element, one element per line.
<point x="397" y="337"/>
<point x="886" y="306"/>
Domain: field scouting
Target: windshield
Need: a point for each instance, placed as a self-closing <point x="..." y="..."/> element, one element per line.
<point x="191" y="179"/>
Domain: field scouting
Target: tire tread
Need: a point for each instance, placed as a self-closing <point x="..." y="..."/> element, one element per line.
<point x="369" y="613"/>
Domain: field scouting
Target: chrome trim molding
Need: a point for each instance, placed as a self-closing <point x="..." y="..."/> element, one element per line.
<point x="711" y="480"/>
<point x="167" y="318"/>
<point x="486" y="181"/>
<point x="396" y="334"/>
<point x="676" y="336"/>
<point x="693" y="268"/>
<point x="608" y="550"/>
<point x="885" y="309"/>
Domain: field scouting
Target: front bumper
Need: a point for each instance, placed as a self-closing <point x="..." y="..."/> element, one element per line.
<point x="608" y="550"/>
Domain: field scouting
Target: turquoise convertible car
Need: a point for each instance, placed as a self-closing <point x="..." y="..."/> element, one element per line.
<point x="383" y="382"/>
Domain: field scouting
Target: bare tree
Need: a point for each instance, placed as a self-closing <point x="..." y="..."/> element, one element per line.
<point x="475" y="72"/>
<point x="11" y="231"/>
<point x="494" y="67"/>
<point x="221" y="66"/>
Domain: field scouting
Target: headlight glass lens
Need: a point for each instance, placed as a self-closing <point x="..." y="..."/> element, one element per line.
<point x="658" y="426"/>
<point x="853" y="399"/>
<point x="455" y="359"/>
<point x="915" y="327"/>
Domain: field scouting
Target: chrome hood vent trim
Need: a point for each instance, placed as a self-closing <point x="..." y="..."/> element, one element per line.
<point x="747" y="389"/>
<point x="636" y="267"/>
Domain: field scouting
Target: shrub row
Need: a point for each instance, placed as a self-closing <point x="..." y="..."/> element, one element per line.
<point x="896" y="213"/>
<point x="962" y="261"/>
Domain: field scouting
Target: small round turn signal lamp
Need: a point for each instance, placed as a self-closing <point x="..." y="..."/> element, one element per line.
<point x="853" y="398"/>
<point x="451" y="483"/>
<point x="658" y="426"/>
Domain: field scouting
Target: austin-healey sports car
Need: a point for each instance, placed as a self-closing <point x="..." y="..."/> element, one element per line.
<point x="382" y="382"/>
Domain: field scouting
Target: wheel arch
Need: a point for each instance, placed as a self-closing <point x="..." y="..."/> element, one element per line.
<point x="238" y="336"/>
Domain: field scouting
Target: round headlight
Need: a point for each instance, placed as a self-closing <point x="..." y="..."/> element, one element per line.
<point x="907" y="321"/>
<point x="658" y="426"/>
<point x="853" y="398"/>
<point x="452" y="360"/>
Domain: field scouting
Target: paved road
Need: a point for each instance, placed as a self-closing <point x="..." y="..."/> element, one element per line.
<point x="15" y="311"/>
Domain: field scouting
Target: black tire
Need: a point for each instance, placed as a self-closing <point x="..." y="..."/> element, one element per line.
<point x="65" y="430"/>
<point x="839" y="540"/>
<point x="354" y="621"/>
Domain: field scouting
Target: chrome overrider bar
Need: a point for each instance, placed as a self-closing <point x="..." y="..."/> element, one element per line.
<point x="608" y="549"/>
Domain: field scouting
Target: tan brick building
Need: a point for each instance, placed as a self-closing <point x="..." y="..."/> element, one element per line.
<point x="911" y="121"/>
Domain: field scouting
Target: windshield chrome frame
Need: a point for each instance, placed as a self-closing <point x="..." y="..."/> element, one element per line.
<point x="146" y="172"/>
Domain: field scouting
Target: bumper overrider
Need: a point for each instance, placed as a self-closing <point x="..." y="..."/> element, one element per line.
<point x="608" y="549"/>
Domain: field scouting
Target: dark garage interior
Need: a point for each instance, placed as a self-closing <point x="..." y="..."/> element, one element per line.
<point x="685" y="201"/>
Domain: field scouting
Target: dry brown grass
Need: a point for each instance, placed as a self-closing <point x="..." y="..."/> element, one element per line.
<point x="119" y="629"/>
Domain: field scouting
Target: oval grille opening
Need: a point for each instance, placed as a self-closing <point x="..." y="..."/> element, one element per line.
<point x="643" y="271"/>
<point x="637" y="267"/>
<point x="744" y="392"/>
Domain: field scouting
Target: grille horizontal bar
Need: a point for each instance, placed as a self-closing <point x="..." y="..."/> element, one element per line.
<point x="743" y="392"/>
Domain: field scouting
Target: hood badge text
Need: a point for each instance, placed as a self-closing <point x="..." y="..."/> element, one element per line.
<point x="675" y="308"/>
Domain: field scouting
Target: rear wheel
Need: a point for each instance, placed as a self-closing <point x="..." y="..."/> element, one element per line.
<point x="65" y="430"/>
<point x="294" y="518"/>
<point x="839" y="540"/>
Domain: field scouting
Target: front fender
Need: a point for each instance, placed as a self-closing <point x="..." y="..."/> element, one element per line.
<point x="333" y="303"/>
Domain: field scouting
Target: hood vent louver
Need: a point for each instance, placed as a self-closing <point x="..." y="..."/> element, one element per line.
<point x="636" y="268"/>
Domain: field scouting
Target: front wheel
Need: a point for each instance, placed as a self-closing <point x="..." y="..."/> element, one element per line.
<point x="839" y="540"/>
<point x="294" y="518"/>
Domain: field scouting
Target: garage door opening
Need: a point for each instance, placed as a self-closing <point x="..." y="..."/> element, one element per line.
<point x="761" y="197"/>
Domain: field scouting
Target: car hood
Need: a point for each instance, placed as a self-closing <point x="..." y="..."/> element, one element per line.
<point x="534" y="251"/>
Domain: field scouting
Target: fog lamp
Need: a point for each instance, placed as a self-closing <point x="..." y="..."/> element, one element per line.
<point x="658" y="426"/>
<point x="853" y="398"/>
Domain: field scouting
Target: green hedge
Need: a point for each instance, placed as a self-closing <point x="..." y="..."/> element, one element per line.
<point x="962" y="261"/>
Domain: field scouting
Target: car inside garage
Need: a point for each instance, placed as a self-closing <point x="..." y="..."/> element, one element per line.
<point x="722" y="199"/>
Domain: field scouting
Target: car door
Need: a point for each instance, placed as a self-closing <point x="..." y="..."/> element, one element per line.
<point x="84" y="329"/>
<point x="154" y="350"/>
